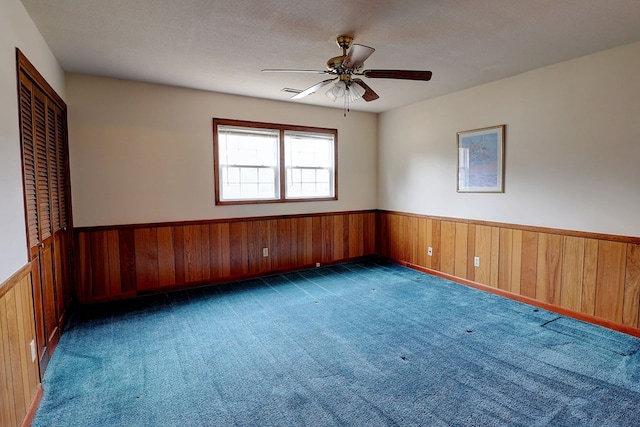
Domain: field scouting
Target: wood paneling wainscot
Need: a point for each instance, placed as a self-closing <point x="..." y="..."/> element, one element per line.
<point x="125" y="261"/>
<point x="20" y="389"/>
<point x="589" y="276"/>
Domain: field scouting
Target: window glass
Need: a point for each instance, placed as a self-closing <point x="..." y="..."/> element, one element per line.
<point x="256" y="162"/>
<point x="248" y="163"/>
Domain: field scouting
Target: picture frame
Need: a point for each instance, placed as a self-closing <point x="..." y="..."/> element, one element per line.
<point x="481" y="160"/>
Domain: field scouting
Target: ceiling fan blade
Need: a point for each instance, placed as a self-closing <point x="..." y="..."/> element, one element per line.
<point x="398" y="74"/>
<point x="313" y="89"/>
<point x="369" y="94"/>
<point x="287" y="70"/>
<point x="357" y="55"/>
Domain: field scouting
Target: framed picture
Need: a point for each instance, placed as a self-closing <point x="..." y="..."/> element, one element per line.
<point x="481" y="160"/>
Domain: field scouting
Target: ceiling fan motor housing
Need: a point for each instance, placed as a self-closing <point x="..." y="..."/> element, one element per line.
<point x="335" y="63"/>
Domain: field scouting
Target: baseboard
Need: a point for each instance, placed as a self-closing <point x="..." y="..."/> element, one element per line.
<point x="527" y="300"/>
<point x="33" y="407"/>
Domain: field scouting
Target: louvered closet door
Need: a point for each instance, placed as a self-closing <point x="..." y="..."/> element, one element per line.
<point x="43" y="129"/>
<point x="29" y="160"/>
<point x="56" y="125"/>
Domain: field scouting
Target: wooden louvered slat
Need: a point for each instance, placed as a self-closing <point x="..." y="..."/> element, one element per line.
<point x="31" y="202"/>
<point x="42" y="171"/>
<point x="62" y="166"/>
<point x="53" y="168"/>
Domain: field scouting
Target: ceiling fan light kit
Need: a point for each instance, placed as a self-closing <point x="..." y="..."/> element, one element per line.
<point x="345" y="67"/>
<point x="351" y="93"/>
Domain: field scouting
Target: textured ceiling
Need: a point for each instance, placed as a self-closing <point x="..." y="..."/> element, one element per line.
<point x="221" y="45"/>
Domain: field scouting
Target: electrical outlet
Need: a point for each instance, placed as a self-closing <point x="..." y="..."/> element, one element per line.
<point x="32" y="345"/>
<point x="430" y="251"/>
<point x="265" y="252"/>
<point x="476" y="261"/>
<point x="317" y="264"/>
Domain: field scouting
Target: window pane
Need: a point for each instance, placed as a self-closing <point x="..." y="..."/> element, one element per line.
<point x="307" y="149"/>
<point x="322" y="175"/>
<point x="249" y="175"/>
<point x="309" y="160"/>
<point x="308" y="175"/>
<point x="248" y="157"/>
<point x="266" y="175"/>
<point x="309" y="182"/>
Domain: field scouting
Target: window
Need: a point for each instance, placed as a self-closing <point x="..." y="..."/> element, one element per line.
<point x="271" y="163"/>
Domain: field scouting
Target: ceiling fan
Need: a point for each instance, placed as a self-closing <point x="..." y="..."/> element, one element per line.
<point x="346" y="69"/>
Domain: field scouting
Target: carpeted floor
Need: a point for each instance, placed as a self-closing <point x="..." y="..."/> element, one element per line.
<point x="360" y="344"/>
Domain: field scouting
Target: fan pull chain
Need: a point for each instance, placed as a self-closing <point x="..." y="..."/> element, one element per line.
<point x="346" y="101"/>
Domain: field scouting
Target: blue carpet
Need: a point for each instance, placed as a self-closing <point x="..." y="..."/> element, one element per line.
<point x="359" y="344"/>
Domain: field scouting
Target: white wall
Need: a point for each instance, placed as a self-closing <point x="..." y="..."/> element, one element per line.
<point x="144" y="153"/>
<point x="572" y="147"/>
<point x="17" y="30"/>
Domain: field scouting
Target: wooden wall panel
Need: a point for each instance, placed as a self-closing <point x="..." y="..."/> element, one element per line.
<point x="505" y="260"/>
<point x="370" y="233"/>
<point x="594" y="275"/>
<point x="113" y="255"/>
<point x="495" y="256"/>
<point x="572" y="273"/>
<point x="471" y="251"/>
<point x="12" y="353"/>
<point x="447" y="247"/>
<point x="99" y="263"/>
<point x="436" y="243"/>
<point x="8" y="415"/>
<point x="327" y="238"/>
<point x="611" y="270"/>
<point x="460" y="250"/>
<point x="263" y="240"/>
<point x="196" y="253"/>
<point x="239" y="260"/>
<point x="393" y="243"/>
<point x="220" y="251"/>
<point x="529" y="264"/>
<point x="83" y="266"/>
<point x="516" y="262"/>
<point x="339" y="237"/>
<point x="127" y="250"/>
<point x="19" y="377"/>
<point x="254" y="243"/>
<point x="146" y="247"/>
<point x="423" y="243"/>
<point x="305" y="240"/>
<point x="410" y="228"/>
<point x="631" y="308"/>
<point x="281" y="241"/>
<point x="483" y="250"/>
<point x="549" y="271"/>
<point x="589" y="277"/>
<point x="166" y="257"/>
<point x="121" y="262"/>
